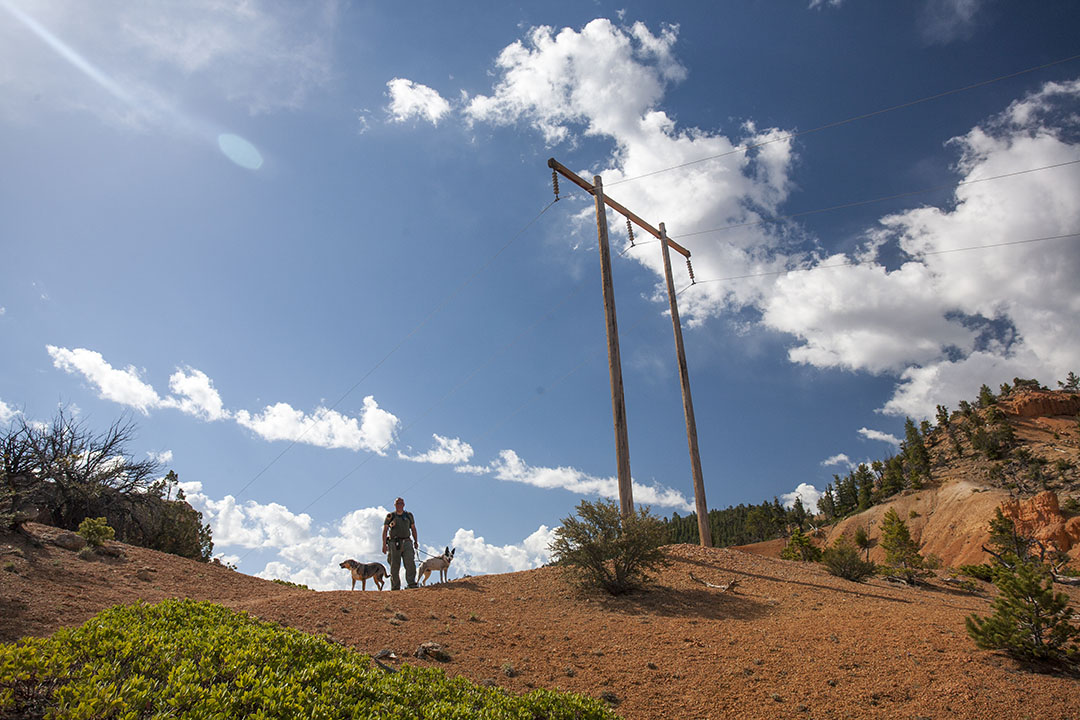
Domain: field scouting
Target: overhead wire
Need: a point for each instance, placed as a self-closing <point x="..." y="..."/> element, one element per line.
<point x="435" y="311"/>
<point x="792" y="271"/>
<point x="547" y="315"/>
<point x="742" y="148"/>
<point x="857" y="203"/>
<point x="845" y="121"/>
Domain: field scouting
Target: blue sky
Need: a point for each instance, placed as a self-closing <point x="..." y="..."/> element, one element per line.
<point x="312" y="251"/>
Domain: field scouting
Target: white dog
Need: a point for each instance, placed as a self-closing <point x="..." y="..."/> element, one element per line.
<point x="441" y="563"/>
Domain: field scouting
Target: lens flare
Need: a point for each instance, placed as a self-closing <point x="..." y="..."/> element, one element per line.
<point x="240" y="151"/>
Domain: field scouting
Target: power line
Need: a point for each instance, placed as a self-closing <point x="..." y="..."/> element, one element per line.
<point x="837" y="123"/>
<point x="445" y="301"/>
<point x="453" y="390"/>
<point x="883" y="198"/>
<point x="773" y="273"/>
<point x="551" y="312"/>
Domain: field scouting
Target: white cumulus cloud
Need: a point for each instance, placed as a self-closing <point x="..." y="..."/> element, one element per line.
<point x="312" y="555"/>
<point x="409" y="100"/>
<point x="805" y="492"/>
<point x="196" y="395"/>
<point x="373" y="430"/>
<point x="121" y="386"/>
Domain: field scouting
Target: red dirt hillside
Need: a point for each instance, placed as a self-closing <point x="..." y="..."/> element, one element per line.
<point x="790" y="642"/>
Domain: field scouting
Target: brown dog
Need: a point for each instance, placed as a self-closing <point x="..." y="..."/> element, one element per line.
<point x="363" y="571"/>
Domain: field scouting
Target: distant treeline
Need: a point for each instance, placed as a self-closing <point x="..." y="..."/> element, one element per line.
<point x="739" y="525"/>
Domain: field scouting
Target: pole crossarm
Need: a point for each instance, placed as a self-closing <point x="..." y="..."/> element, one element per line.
<point x="616" y="206"/>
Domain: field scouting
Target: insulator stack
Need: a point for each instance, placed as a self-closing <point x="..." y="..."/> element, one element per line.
<point x="555" y="182"/>
<point x="690" y="269"/>
<point x="630" y="231"/>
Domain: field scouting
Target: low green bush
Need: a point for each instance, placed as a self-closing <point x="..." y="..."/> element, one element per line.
<point x="96" y="531"/>
<point x="600" y="549"/>
<point x="979" y="572"/>
<point x="800" y="547"/>
<point x="181" y="658"/>
<point x="842" y="560"/>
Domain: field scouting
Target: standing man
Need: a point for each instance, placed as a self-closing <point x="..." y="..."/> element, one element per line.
<point x="399" y="525"/>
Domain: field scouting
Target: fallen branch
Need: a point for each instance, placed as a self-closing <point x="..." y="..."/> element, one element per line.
<point x="1065" y="579"/>
<point x="722" y="588"/>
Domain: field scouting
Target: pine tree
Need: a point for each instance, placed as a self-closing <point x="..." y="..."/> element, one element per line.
<point x="1030" y="621"/>
<point x="827" y="504"/>
<point x="892" y="479"/>
<point x="1071" y="384"/>
<point x="902" y="556"/>
<point x="798" y="514"/>
<point x="916" y="455"/>
<point x="864" y="480"/>
<point x="942" y="416"/>
<point x="800" y="547"/>
<point x="863" y="541"/>
<point x="1008" y="546"/>
<point x="986" y="396"/>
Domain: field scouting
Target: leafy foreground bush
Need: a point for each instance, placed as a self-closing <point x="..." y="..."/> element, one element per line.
<point x="189" y="659"/>
<point x="601" y="549"/>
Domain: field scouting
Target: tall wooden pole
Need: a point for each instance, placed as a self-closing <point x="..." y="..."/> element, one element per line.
<point x="704" y="533"/>
<point x="618" y="404"/>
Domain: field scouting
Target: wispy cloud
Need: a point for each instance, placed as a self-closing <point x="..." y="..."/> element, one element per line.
<point x="511" y="468"/>
<point x="164" y="457"/>
<point x="880" y="436"/>
<point x="7" y="413"/>
<point x="261" y="55"/>
<point x="942" y="21"/>
<point x="447" y="451"/>
<point x="838" y="459"/>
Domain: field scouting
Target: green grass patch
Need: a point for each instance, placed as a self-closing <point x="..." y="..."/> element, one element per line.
<point x="181" y="658"/>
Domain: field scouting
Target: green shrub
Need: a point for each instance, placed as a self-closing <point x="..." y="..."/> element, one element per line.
<point x="96" y="531"/>
<point x="286" y="583"/>
<point x="604" y="550"/>
<point x="979" y="572"/>
<point x="902" y="558"/>
<point x="188" y="659"/>
<point x="1030" y="621"/>
<point x="800" y="547"/>
<point x="842" y="560"/>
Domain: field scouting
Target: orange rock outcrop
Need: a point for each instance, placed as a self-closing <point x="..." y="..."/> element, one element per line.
<point x="1041" y="403"/>
<point x="1040" y="517"/>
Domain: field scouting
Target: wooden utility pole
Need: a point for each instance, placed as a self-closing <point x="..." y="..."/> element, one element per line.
<point x="704" y="532"/>
<point x="622" y="449"/>
<point x="618" y="404"/>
